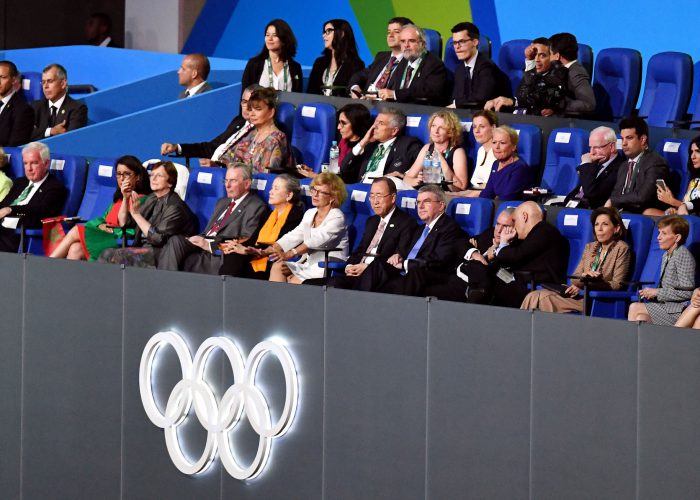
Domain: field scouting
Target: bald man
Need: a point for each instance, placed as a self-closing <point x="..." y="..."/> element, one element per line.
<point x="193" y="74"/>
<point x="531" y="249"/>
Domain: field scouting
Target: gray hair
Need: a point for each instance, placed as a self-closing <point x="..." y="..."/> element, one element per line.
<point x="291" y="184"/>
<point x="253" y="87"/>
<point x="42" y="148"/>
<point x="245" y="169"/>
<point x="419" y="31"/>
<point x="61" y="72"/>
<point x="397" y="118"/>
<point x="436" y="190"/>
<point x="608" y="134"/>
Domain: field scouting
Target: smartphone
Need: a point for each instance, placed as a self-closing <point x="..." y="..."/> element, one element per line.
<point x="661" y="184"/>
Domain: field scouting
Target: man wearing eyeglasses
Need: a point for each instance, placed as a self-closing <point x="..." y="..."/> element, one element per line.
<point x="477" y="78"/>
<point x="597" y="171"/>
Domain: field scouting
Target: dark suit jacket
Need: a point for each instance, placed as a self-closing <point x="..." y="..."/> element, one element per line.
<point x="642" y="193"/>
<point x="176" y="218"/>
<point x="368" y="75"/>
<point x="246" y="220"/>
<point x="47" y="201"/>
<point x="596" y="190"/>
<point x="73" y="112"/>
<point x="487" y="82"/>
<point x="204" y="88"/>
<point x="441" y="250"/>
<point x="536" y="91"/>
<point x="544" y="253"/>
<point x="397" y="237"/>
<point x="253" y="70"/>
<point x="428" y="85"/>
<point x="206" y="149"/>
<point x="345" y="71"/>
<point x="16" y="121"/>
<point x="403" y="153"/>
<point x="579" y="96"/>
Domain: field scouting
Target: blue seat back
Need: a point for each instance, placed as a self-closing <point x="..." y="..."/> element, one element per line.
<point x="669" y="80"/>
<point x="564" y="149"/>
<point x="204" y="187"/>
<point x="359" y="210"/>
<point x="474" y="215"/>
<point x="639" y="233"/>
<point x="618" y="78"/>
<point x="285" y="119"/>
<point x="15" y="169"/>
<point x="406" y="201"/>
<point x="502" y="206"/>
<point x="99" y="189"/>
<point x="675" y="152"/>
<point x="575" y="225"/>
<point x="433" y="41"/>
<point x="31" y="85"/>
<point x="305" y="193"/>
<point x="511" y="59"/>
<point x="314" y="131"/>
<point x="261" y="185"/>
<point x="72" y="171"/>
<point x="529" y="143"/>
<point x="585" y="57"/>
<point x="417" y="126"/>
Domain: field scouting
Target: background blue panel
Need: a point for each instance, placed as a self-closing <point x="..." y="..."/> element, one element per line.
<point x="484" y="16"/>
<point x="244" y="35"/>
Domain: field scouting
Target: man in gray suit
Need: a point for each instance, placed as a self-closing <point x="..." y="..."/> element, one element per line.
<point x="238" y="216"/>
<point x="579" y="96"/>
<point x="193" y="74"/>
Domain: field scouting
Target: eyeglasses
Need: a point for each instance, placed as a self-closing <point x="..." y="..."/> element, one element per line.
<point x="426" y="202"/>
<point x="124" y="175"/>
<point x="316" y="192"/>
<point x="378" y="196"/>
<point x="459" y="43"/>
<point x="328" y="31"/>
<point x="601" y="147"/>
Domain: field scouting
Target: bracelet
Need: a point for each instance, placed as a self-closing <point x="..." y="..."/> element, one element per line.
<point x="294" y="251"/>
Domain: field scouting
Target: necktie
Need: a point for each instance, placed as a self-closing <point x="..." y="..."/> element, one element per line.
<point x="630" y="170"/>
<point x="52" y="118"/>
<point x="407" y="80"/>
<point x="23" y="195"/>
<point x="1" y="106"/>
<point x="232" y="141"/>
<point x="381" y="83"/>
<point x="187" y="93"/>
<point x="376" y="158"/>
<point x="216" y="227"/>
<point x="467" y="82"/>
<point x="375" y="239"/>
<point x="416" y="248"/>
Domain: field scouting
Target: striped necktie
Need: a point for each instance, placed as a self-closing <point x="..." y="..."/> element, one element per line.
<point x="24" y="194"/>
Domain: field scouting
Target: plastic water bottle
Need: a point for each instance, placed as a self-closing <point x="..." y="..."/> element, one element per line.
<point x="333" y="155"/>
<point x="437" y="169"/>
<point x="427" y="168"/>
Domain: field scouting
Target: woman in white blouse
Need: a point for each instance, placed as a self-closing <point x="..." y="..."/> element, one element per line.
<point x="483" y="123"/>
<point x="322" y="227"/>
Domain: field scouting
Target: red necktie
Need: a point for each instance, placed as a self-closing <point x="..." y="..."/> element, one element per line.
<point x="381" y="83"/>
<point x="221" y="220"/>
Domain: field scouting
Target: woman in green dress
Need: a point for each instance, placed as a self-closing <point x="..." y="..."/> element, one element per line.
<point x="86" y="242"/>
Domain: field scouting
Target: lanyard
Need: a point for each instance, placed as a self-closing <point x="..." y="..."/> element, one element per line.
<point x="413" y="75"/>
<point x="328" y="79"/>
<point x="285" y="73"/>
<point x="599" y="258"/>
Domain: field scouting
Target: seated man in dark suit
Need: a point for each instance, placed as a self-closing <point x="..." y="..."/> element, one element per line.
<point x="57" y="113"/>
<point x="388" y="232"/>
<point x="36" y="196"/>
<point x="383" y="151"/>
<point x="435" y="246"/>
<point x="579" y="94"/>
<point x="211" y="151"/>
<point x="635" y="189"/>
<point x="477" y="79"/>
<point x="420" y="76"/>
<point x="16" y="116"/>
<point x="597" y="172"/>
<point x="376" y="76"/>
<point x="238" y="216"/>
<point x="193" y="74"/>
<point x="532" y="249"/>
<point x="98" y="30"/>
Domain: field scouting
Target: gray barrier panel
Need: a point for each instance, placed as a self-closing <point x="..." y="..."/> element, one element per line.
<point x="191" y="305"/>
<point x="11" y="309"/>
<point x="479" y="402"/>
<point x="294" y="315"/>
<point x="375" y="429"/>
<point x="584" y="400"/>
<point x="72" y="381"/>
<point x="669" y="413"/>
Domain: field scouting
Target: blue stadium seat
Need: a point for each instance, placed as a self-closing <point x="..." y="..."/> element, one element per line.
<point x="406" y="201"/>
<point x="575" y="225"/>
<point x="433" y="42"/>
<point x="564" y="150"/>
<point x="502" y="206"/>
<point x="285" y="119"/>
<point x="529" y="143"/>
<point x="675" y="152"/>
<point x="669" y="80"/>
<point x="314" y="131"/>
<point x="15" y="169"/>
<point x="511" y="59"/>
<point x="359" y="210"/>
<point x="262" y="183"/>
<point x="31" y="85"/>
<point x="417" y="126"/>
<point x="618" y="78"/>
<point x="450" y="58"/>
<point x="474" y="215"/>
<point x="204" y="187"/>
<point x="614" y="304"/>
<point x="99" y="189"/>
<point x="585" y="57"/>
<point x="305" y="193"/>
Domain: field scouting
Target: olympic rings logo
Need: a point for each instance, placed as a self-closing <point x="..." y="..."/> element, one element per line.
<point x="218" y="418"/>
